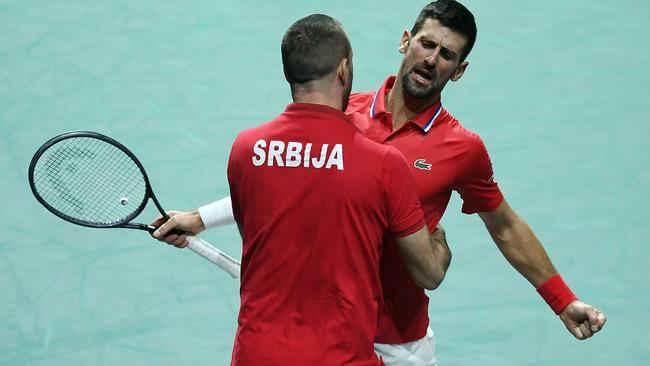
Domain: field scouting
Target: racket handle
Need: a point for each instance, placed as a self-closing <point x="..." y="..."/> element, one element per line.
<point x="214" y="255"/>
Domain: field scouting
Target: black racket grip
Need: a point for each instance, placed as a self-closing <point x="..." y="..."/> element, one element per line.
<point x="151" y="230"/>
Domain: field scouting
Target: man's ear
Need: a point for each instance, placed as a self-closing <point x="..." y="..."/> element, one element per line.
<point x="343" y="72"/>
<point x="404" y="41"/>
<point x="460" y="70"/>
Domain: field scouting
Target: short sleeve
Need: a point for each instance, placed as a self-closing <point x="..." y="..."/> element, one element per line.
<point x="405" y="214"/>
<point x="476" y="185"/>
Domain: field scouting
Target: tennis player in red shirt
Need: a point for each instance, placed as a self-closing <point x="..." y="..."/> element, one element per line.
<point x="313" y="199"/>
<point x="406" y="112"/>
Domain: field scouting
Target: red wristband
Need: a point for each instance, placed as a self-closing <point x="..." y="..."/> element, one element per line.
<point x="556" y="293"/>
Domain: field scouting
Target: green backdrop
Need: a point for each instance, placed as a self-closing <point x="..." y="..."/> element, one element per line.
<point x="557" y="89"/>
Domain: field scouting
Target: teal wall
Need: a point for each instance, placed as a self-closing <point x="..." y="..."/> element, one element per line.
<point x="557" y="89"/>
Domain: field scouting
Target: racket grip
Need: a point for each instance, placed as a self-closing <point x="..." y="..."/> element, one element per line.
<point x="214" y="255"/>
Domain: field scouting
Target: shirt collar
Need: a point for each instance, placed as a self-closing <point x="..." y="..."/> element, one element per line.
<point x="315" y="108"/>
<point x="424" y="120"/>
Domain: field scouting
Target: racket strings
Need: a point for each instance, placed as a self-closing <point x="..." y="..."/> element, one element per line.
<point x="91" y="190"/>
<point x="106" y="202"/>
<point x="61" y="186"/>
<point x="114" y="187"/>
<point x="65" y="189"/>
<point x="90" y="180"/>
<point x="103" y="181"/>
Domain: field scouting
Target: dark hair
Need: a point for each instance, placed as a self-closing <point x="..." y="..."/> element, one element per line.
<point x="313" y="47"/>
<point x="451" y="14"/>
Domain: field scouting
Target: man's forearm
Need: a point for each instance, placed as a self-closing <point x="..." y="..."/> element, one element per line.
<point x="417" y="251"/>
<point x="518" y="244"/>
<point x="524" y="252"/>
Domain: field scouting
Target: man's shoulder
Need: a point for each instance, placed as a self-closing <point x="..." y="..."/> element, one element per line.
<point x="359" y="102"/>
<point x="454" y="128"/>
<point x="465" y="141"/>
<point x="385" y="156"/>
<point x="249" y="136"/>
<point x="263" y="128"/>
<point x="252" y="132"/>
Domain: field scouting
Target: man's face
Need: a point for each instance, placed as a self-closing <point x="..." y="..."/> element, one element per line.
<point x="431" y="59"/>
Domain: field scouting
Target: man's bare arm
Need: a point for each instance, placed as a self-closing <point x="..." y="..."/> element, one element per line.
<point x="422" y="258"/>
<point x="518" y="244"/>
<point x="523" y="250"/>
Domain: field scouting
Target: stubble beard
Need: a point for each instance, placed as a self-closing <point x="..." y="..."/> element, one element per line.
<point x="416" y="91"/>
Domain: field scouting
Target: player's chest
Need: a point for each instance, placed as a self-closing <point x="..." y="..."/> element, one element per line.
<point x="432" y="159"/>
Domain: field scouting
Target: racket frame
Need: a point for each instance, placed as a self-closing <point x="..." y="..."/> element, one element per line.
<point x="125" y="222"/>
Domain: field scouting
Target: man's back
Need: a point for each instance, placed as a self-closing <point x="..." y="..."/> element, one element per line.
<point x="313" y="198"/>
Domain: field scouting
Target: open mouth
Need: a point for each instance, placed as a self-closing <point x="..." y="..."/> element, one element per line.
<point x="422" y="75"/>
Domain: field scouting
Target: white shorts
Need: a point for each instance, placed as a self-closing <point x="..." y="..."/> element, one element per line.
<point x="417" y="353"/>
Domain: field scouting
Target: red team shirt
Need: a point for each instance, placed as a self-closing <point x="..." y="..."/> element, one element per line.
<point x="443" y="156"/>
<point x="314" y="199"/>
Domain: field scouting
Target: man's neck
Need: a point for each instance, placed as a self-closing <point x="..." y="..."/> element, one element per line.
<point x="403" y="107"/>
<point x="318" y="95"/>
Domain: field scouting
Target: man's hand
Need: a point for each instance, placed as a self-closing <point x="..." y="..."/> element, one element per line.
<point x="582" y="320"/>
<point x="441" y="247"/>
<point x="189" y="222"/>
<point x="439" y="234"/>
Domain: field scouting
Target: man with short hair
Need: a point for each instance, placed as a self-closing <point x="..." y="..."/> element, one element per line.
<point x="312" y="199"/>
<point x="407" y="113"/>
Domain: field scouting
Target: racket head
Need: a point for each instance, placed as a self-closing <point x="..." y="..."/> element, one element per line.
<point x="89" y="179"/>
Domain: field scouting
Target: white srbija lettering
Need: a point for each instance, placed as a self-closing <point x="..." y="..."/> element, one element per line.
<point x="292" y="155"/>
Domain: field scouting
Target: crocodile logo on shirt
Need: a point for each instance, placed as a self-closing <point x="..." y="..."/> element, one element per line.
<point x="421" y="164"/>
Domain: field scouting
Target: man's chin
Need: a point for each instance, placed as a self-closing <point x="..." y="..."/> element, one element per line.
<point x="419" y="92"/>
<point x="416" y="91"/>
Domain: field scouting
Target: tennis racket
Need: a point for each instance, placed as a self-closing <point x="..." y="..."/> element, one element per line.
<point x="90" y="179"/>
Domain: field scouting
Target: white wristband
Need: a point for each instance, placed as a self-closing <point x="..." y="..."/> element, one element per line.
<point x="217" y="213"/>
